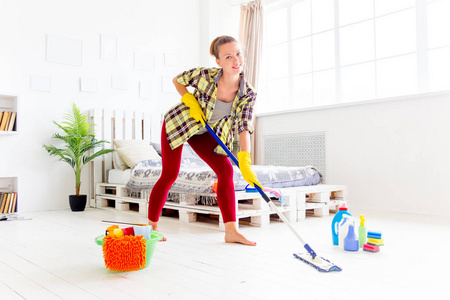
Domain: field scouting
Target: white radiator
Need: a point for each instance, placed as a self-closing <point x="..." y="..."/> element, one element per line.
<point x="296" y="149"/>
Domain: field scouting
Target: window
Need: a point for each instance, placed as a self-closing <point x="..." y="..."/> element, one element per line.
<point x="324" y="52"/>
<point x="438" y="54"/>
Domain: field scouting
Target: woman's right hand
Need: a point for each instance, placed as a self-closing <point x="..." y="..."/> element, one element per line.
<point x="195" y="110"/>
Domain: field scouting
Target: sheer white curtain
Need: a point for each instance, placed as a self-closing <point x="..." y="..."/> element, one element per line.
<point x="251" y="38"/>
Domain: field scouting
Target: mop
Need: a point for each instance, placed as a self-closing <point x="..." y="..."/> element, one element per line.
<point x="309" y="257"/>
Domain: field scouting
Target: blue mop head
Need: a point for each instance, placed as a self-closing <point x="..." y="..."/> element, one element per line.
<point x="320" y="263"/>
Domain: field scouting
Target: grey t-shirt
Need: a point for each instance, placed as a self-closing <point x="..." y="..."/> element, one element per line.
<point x="221" y="109"/>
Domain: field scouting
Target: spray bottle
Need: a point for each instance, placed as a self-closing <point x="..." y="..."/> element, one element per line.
<point x="362" y="232"/>
<point x="336" y="220"/>
<point x="351" y="240"/>
<point x="344" y="229"/>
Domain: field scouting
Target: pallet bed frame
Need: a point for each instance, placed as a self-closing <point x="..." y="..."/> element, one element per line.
<point x="317" y="200"/>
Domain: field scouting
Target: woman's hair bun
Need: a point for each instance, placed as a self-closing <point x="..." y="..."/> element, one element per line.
<point x="219" y="41"/>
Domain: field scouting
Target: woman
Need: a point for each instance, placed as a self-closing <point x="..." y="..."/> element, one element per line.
<point x="222" y="98"/>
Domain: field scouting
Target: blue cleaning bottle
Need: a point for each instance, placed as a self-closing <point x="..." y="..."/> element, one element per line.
<point x="335" y="223"/>
<point x="351" y="242"/>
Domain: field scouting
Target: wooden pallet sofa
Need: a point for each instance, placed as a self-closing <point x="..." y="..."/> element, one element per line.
<point x="302" y="201"/>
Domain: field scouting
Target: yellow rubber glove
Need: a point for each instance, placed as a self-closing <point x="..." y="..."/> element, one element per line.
<point x="195" y="111"/>
<point x="245" y="166"/>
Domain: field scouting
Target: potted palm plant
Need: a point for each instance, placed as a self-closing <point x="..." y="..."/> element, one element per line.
<point x="77" y="149"/>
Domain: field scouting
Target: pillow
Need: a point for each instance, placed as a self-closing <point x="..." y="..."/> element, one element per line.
<point x="121" y="164"/>
<point x="130" y="143"/>
<point x="116" y="161"/>
<point x="157" y="147"/>
<point x="133" y="151"/>
<point x="188" y="152"/>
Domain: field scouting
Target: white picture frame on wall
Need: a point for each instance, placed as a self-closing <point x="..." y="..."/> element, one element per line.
<point x="167" y="85"/>
<point x="108" y="47"/>
<point x="170" y="60"/>
<point x="63" y="50"/>
<point x="88" y="85"/>
<point x="144" y="62"/>
<point x="119" y="82"/>
<point x="145" y="90"/>
<point x="40" y="83"/>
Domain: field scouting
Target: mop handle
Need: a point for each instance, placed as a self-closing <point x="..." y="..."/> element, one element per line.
<point x="261" y="192"/>
<point x="123" y="223"/>
<point x="218" y="140"/>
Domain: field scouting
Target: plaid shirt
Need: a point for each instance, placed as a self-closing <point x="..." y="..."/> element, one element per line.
<point x="180" y="126"/>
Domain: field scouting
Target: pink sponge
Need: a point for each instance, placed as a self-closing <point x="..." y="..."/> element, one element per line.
<point x="371" y="248"/>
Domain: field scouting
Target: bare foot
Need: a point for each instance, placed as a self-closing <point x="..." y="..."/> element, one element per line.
<point x="155" y="227"/>
<point x="233" y="236"/>
<point x="236" y="237"/>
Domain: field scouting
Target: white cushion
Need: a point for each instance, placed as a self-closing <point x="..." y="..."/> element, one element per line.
<point x="188" y="152"/>
<point x="157" y="147"/>
<point x="133" y="151"/>
<point x="116" y="161"/>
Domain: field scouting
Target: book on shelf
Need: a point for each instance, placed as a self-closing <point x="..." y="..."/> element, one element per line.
<point x="5" y="118"/>
<point x="13" y="203"/>
<point x="2" y="201"/>
<point x="12" y="121"/>
<point x="8" y="202"/>
<point x="1" y="115"/>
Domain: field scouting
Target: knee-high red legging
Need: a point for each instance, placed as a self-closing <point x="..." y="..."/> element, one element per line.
<point x="204" y="146"/>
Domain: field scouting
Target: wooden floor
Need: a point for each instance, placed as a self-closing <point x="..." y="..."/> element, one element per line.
<point x="54" y="256"/>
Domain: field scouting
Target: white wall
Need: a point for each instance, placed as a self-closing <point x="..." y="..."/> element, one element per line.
<point x="147" y="27"/>
<point x="219" y="17"/>
<point x="393" y="155"/>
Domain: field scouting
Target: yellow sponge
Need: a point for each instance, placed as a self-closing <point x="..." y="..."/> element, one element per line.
<point x="376" y="242"/>
<point x="118" y="233"/>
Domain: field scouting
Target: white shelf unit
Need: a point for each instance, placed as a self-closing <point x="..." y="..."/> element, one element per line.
<point x="10" y="185"/>
<point x="8" y="103"/>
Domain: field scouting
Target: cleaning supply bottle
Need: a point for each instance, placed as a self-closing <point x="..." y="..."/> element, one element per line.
<point x="362" y="232"/>
<point x="335" y="223"/>
<point x="343" y="229"/>
<point x="351" y="242"/>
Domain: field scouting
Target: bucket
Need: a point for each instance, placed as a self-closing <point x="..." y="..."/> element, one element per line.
<point x="150" y="245"/>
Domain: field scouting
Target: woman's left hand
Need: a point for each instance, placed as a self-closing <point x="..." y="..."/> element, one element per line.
<point x="245" y="166"/>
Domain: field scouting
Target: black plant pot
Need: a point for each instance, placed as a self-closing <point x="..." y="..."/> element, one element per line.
<point x="77" y="202"/>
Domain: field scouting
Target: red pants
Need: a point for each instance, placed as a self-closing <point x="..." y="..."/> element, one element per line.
<point x="204" y="146"/>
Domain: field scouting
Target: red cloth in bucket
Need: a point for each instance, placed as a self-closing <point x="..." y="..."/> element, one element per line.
<point x="128" y="231"/>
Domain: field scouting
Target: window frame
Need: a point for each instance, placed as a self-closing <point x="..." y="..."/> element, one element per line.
<point x="422" y="50"/>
